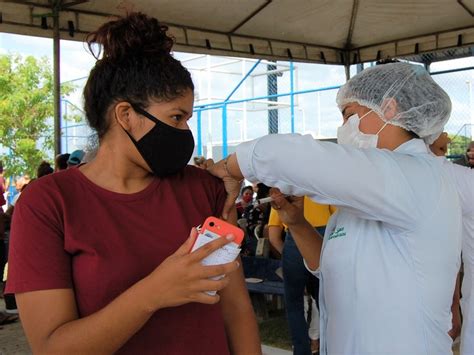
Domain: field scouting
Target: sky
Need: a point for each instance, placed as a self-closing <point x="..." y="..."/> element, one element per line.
<point x="315" y="113"/>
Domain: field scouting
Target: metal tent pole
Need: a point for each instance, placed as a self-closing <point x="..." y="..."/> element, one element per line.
<point x="57" y="81"/>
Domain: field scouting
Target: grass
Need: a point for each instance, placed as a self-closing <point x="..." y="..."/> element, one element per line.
<point x="274" y="330"/>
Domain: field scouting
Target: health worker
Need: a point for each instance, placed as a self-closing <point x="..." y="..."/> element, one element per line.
<point x="390" y="255"/>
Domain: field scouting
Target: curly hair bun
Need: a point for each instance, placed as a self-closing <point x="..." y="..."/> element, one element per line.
<point x="133" y="35"/>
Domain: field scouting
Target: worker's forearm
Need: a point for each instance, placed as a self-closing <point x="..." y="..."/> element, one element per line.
<point x="309" y="243"/>
<point x="105" y="331"/>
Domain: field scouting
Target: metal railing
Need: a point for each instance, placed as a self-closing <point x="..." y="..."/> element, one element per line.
<point x="267" y="98"/>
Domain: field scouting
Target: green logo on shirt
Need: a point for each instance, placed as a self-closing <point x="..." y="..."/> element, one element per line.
<point x="339" y="232"/>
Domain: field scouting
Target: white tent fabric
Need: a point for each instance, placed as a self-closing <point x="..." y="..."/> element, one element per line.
<point x="323" y="31"/>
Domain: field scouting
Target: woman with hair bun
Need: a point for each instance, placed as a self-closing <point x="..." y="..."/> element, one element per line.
<point x="100" y="258"/>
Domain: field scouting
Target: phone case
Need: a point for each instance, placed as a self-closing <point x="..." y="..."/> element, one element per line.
<point x="223" y="228"/>
<point x="212" y="229"/>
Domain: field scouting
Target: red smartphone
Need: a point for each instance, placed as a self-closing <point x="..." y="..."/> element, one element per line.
<point x="223" y="228"/>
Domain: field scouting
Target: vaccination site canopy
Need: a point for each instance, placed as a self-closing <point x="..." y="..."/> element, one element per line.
<point x="320" y="31"/>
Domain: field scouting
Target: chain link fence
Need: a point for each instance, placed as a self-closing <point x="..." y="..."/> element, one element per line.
<point x="459" y="85"/>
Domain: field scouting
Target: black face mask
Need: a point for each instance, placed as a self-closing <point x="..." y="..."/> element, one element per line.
<point x="165" y="149"/>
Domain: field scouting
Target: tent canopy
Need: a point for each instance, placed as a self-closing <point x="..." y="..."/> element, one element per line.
<point x="323" y="31"/>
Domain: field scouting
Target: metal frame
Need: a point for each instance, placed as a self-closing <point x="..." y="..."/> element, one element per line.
<point x="226" y="104"/>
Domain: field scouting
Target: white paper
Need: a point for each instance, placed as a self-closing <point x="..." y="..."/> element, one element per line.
<point x="224" y="255"/>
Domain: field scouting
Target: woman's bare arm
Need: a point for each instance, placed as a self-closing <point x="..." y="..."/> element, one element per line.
<point x="50" y="318"/>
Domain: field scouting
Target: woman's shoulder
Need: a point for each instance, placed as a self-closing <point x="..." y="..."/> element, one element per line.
<point x="197" y="175"/>
<point x="50" y="186"/>
<point x="200" y="184"/>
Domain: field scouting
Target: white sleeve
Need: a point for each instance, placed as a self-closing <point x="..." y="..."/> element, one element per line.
<point x="464" y="180"/>
<point x="369" y="182"/>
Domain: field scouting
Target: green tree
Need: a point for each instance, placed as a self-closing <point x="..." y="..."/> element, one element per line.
<point x="26" y="111"/>
<point x="458" y="145"/>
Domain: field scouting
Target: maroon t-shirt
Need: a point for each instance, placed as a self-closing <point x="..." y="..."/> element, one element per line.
<point x="68" y="232"/>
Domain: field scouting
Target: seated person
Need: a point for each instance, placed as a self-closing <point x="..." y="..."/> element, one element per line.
<point x="256" y="217"/>
<point x="245" y="199"/>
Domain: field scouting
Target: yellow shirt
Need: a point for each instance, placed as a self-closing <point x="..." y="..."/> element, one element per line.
<point x="317" y="215"/>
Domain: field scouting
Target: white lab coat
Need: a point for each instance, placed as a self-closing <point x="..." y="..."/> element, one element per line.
<point x="464" y="181"/>
<point x="392" y="251"/>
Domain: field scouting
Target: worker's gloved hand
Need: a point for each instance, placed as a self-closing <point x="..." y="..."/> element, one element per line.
<point x="290" y="208"/>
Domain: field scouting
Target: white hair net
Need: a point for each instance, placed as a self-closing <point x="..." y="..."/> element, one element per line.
<point x="423" y="107"/>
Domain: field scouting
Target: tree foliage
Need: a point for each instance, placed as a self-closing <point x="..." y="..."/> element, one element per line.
<point x="458" y="144"/>
<point x="26" y="112"/>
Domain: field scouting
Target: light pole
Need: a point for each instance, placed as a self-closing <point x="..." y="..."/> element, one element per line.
<point x="209" y="152"/>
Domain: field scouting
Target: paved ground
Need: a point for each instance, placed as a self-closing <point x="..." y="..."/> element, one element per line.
<point x="13" y="342"/>
<point x="12" y="339"/>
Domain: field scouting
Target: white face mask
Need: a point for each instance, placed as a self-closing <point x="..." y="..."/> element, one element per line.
<point x="350" y="134"/>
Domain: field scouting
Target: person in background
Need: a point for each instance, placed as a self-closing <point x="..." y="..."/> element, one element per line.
<point x="20" y="184"/>
<point x="246" y="198"/>
<point x="256" y="217"/>
<point x="44" y="169"/>
<point x="10" y="300"/>
<point x="100" y="254"/>
<point x="60" y="162"/>
<point x="297" y="279"/>
<point x="464" y="181"/>
<point x="75" y="158"/>
<point x="3" y="186"/>
<point x="468" y="158"/>
<point x="9" y="316"/>
<point x="255" y="186"/>
<point x="3" y="248"/>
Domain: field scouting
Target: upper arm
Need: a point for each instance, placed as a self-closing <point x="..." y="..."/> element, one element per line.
<point x="275" y="228"/>
<point x="42" y="312"/>
<point x="239" y="317"/>
<point x="373" y="183"/>
<point x="275" y="235"/>
<point x="236" y="287"/>
<point x="37" y="256"/>
<point x="235" y="301"/>
<point x="274" y="219"/>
